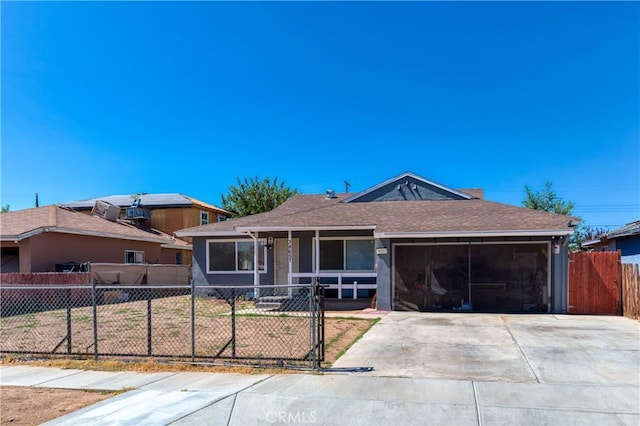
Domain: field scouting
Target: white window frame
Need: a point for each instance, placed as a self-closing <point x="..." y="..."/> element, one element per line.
<point x="236" y="241"/>
<point x="204" y="214"/>
<point x="344" y="253"/>
<point x="136" y="254"/>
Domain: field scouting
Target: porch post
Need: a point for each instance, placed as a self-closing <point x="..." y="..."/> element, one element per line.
<point x="256" y="273"/>
<point x="290" y="263"/>
<point x="317" y="252"/>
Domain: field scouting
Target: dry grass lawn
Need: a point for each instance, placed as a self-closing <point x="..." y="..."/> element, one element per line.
<point x="125" y="322"/>
<point x="123" y="330"/>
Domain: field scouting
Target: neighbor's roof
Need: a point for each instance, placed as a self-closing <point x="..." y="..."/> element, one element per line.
<point x="22" y="224"/>
<point x="434" y="219"/>
<point x="148" y="200"/>
<point x="629" y="230"/>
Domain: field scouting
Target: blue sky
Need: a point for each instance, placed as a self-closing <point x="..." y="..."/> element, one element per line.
<point x="120" y="98"/>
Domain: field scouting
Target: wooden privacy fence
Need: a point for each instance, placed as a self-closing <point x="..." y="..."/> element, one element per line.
<point x="631" y="291"/>
<point x="594" y="283"/>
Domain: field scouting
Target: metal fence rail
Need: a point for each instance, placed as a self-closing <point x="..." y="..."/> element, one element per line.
<point x="184" y="322"/>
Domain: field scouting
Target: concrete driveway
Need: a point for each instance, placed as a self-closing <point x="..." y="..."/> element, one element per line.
<point x="560" y="349"/>
<point x="442" y="369"/>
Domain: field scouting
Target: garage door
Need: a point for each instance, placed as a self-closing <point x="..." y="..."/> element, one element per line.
<point x="480" y="277"/>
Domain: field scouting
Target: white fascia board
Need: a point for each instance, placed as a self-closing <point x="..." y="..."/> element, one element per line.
<point x="591" y="242"/>
<point x="304" y="228"/>
<point x="204" y="233"/>
<point x="22" y="236"/>
<point x="472" y="234"/>
<point x="177" y="247"/>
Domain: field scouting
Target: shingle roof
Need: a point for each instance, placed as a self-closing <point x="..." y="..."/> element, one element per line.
<point x="395" y="217"/>
<point x="22" y="224"/>
<point x="628" y="230"/>
<point x="148" y="200"/>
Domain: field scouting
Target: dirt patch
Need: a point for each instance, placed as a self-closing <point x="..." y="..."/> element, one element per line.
<point x="162" y="327"/>
<point x="341" y="333"/>
<point x="33" y="406"/>
<point x="124" y="329"/>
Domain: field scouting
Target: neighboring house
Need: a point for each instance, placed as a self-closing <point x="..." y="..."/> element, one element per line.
<point x="36" y="240"/>
<point x="626" y="239"/>
<point x="165" y="212"/>
<point x="417" y="244"/>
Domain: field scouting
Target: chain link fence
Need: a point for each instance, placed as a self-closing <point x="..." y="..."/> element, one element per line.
<point x="197" y="323"/>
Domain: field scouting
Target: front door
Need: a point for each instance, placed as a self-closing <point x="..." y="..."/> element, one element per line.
<point x="281" y="259"/>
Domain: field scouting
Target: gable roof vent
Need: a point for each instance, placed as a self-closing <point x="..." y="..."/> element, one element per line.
<point x="331" y="193"/>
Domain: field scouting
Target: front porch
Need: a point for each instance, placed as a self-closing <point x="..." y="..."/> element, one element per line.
<point x="342" y="261"/>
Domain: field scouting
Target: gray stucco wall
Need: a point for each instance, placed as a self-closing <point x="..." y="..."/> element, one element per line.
<point x="560" y="276"/>
<point x="384" y="293"/>
<point x="384" y="264"/>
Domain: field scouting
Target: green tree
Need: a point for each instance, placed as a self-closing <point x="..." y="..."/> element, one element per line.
<point x="546" y="199"/>
<point x="4" y="209"/>
<point x="252" y="196"/>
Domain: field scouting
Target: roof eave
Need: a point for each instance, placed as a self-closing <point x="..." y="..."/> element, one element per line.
<point x="60" y="230"/>
<point x="590" y="243"/>
<point x="305" y="228"/>
<point x="206" y="233"/>
<point x="244" y="230"/>
<point x="476" y="234"/>
<point x="23" y="236"/>
<point x="188" y="247"/>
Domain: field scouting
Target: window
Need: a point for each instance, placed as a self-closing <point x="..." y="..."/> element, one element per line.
<point x="359" y="255"/>
<point x="131" y="256"/>
<point x="179" y="258"/>
<point x="331" y="255"/>
<point x="204" y="218"/>
<point x="234" y="256"/>
<point x="347" y="255"/>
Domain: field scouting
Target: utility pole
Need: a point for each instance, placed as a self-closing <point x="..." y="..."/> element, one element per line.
<point x="346" y="186"/>
<point x="37" y="201"/>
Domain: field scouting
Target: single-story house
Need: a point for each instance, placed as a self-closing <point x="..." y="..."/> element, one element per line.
<point x="38" y="239"/>
<point x="414" y="243"/>
<point x="626" y="239"/>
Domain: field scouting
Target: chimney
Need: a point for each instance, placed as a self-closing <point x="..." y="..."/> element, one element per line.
<point x="53" y="215"/>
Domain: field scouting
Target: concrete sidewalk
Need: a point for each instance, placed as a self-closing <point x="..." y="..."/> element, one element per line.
<point x="329" y="399"/>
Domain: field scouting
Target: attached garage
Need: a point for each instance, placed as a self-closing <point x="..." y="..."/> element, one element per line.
<point x="472" y="276"/>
